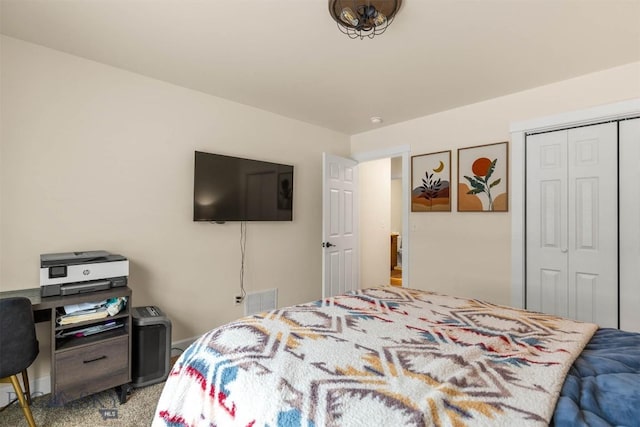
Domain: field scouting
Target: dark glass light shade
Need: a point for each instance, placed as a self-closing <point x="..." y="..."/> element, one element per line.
<point x="363" y="18"/>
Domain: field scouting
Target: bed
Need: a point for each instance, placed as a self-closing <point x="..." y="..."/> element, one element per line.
<point x="402" y="357"/>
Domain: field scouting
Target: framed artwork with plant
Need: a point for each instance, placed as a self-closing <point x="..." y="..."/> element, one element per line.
<point x="483" y="178"/>
<point x="431" y="182"/>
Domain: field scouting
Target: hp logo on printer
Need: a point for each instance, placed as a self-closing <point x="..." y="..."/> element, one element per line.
<point x="86" y="272"/>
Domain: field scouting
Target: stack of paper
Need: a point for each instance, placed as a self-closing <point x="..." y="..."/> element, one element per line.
<point x="82" y="315"/>
<point x="84" y="306"/>
<point x="91" y="310"/>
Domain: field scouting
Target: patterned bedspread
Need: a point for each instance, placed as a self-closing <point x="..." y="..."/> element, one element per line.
<point x="376" y="357"/>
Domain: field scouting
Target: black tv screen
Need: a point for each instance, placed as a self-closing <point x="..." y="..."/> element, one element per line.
<point x="229" y="188"/>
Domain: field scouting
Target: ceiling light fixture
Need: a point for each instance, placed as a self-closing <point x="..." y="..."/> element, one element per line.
<point x="363" y="18"/>
<point x="376" y="120"/>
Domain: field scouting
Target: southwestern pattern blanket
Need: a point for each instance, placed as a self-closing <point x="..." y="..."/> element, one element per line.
<point x="378" y="356"/>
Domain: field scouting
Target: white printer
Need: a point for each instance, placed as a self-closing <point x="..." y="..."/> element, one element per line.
<point x="71" y="273"/>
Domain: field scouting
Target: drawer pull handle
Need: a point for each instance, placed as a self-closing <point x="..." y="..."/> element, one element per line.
<point x="94" y="360"/>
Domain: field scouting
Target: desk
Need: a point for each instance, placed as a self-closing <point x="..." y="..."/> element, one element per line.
<point x="85" y="365"/>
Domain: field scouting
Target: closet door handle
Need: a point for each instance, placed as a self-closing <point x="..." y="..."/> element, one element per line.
<point x="564" y="250"/>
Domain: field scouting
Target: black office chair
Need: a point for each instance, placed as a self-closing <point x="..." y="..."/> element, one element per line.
<point x="18" y="347"/>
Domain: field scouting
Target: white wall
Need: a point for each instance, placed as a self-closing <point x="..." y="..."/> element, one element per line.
<point x="469" y="254"/>
<point x="93" y="157"/>
<point x="375" y="222"/>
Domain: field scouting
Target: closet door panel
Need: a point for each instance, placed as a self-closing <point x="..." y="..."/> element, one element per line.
<point x="546" y="217"/>
<point x="593" y="225"/>
<point x="630" y="225"/>
<point x="571" y="223"/>
<point x="586" y="285"/>
<point x="551" y="296"/>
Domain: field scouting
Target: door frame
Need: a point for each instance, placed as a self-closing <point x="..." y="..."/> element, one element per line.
<point x="403" y="151"/>
<point x="519" y="131"/>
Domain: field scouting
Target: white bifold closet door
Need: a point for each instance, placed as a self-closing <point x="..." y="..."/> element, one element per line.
<point x="572" y="223"/>
<point x="630" y="225"/>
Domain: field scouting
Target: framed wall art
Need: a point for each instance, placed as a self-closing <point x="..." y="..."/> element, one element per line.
<point x="431" y="182"/>
<point x="483" y="178"/>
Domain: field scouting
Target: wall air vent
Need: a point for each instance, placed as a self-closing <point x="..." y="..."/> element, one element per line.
<point x="257" y="302"/>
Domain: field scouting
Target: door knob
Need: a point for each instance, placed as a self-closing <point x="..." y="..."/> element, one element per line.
<point x="327" y="244"/>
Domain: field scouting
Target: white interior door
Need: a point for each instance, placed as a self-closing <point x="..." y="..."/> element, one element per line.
<point x="547" y="247"/>
<point x="593" y="219"/>
<point x="572" y="223"/>
<point x="340" y="266"/>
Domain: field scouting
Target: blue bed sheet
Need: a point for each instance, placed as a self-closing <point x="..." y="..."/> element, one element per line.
<point x="602" y="387"/>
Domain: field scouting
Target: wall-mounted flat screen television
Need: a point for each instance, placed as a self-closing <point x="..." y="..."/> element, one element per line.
<point x="229" y="188"/>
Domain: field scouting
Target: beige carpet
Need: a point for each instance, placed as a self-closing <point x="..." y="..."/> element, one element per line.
<point x="100" y="409"/>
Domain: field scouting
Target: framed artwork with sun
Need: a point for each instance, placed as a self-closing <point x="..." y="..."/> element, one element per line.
<point x="431" y="182"/>
<point x="483" y="178"/>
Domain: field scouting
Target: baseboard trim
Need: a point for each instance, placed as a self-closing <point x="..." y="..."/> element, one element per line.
<point x="177" y="347"/>
<point x="41" y="386"/>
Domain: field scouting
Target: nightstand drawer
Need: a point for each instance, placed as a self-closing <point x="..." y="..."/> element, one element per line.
<point x="94" y="366"/>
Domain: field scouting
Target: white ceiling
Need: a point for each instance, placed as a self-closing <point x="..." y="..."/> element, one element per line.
<point x="288" y="57"/>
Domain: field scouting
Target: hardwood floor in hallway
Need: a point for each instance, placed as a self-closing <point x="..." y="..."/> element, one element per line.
<point x="396" y="277"/>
